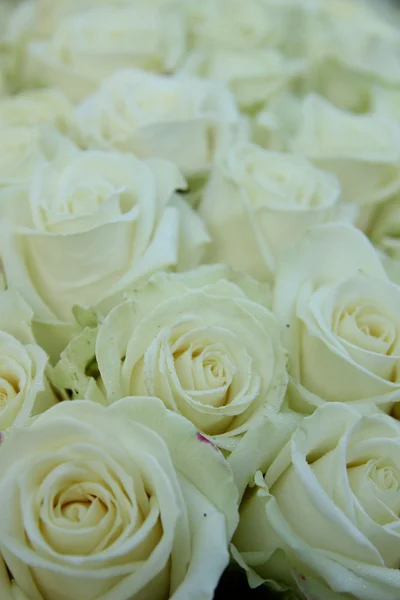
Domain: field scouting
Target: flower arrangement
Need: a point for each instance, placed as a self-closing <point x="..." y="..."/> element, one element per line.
<point x="199" y="300"/>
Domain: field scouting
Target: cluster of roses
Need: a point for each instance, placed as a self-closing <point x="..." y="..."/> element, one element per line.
<point x="200" y="298"/>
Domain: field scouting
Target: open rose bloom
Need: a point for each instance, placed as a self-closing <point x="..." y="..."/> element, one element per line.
<point x="113" y="503"/>
<point x="323" y="511"/>
<point x="199" y="299"/>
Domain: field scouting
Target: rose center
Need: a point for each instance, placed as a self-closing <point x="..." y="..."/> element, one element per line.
<point x="376" y="484"/>
<point x="154" y="103"/>
<point x="157" y="104"/>
<point x="214" y="370"/>
<point x="76" y="511"/>
<point x="385" y="477"/>
<point x="9" y="388"/>
<point x="208" y="366"/>
<point x="288" y="187"/>
<point x="80" y="505"/>
<point x="86" y="199"/>
<point x="365" y="327"/>
<point x="204" y="366"/>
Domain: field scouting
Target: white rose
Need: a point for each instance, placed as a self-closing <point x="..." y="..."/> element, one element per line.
<point x="340" y="321"/>
<point x="295" y="22"/>
<point x="345" y="46"/>
<point x="349" y="49"/>
<point x="362" y="29"/>
<point x="113" y="503"/>
<point x="362" y="150"/>
<point x="253" y="76"/>
<point x="257" y="202"/>
<point x="201" y="342"/>
<point x="38" y="107"/>
<point x="324" y="513"/>
<point x="90" y="225"/>
<point x="230" y="24"/>
<point x="88" y="47"/>
<point x="48" y="14"/>
<point x="23" y="149"/>
<point x="345" y="66"/>
<point x="24" y="388"/>
<point x="345" y="86"/>
<point x="184" y="119"/>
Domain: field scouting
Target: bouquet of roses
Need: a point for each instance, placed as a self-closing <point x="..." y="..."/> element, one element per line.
<point x="199" y="299"/>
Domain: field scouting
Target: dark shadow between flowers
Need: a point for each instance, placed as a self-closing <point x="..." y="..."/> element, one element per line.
<point x="233" y="584"/>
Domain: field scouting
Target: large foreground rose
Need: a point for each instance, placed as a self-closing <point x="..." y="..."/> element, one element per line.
<point x="257" y="202"/>
<point x="90" y="225"/>
<point x="340" y="320"/>
<point x="113" y="504"/>
<point x="324" y="512"/>
<point x="24" y="387"/>
<point x="202" y="342"/>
